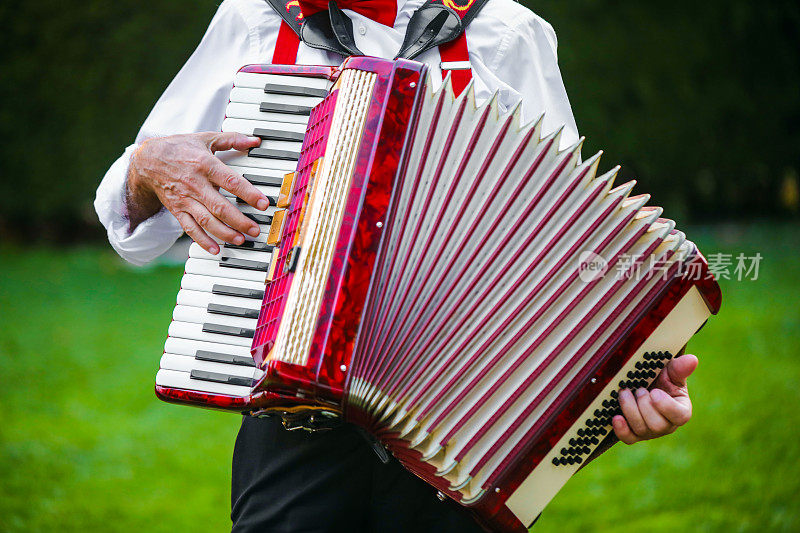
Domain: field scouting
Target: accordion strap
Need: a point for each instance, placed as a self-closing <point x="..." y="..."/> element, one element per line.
<point x="288" y="42"/>
<point x="439" y="23"/>
<point x="289" y="11"/>
<point x="455" y="61"/>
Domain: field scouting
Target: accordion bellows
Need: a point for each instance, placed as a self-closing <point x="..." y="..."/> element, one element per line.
<point x="472" y="295"/>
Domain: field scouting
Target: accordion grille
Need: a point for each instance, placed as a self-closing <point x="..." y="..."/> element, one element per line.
<point x="325" y="214"/>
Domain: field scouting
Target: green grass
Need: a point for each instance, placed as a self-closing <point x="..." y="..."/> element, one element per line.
<point x="84" y="444"/>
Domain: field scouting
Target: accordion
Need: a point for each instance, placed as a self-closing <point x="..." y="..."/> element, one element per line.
<point x="437" y="272"/>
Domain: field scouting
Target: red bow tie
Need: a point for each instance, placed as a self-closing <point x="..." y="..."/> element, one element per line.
<point x="383" y="11"/>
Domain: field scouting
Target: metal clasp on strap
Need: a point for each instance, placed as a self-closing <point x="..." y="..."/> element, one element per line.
<point x="455" y="65"/>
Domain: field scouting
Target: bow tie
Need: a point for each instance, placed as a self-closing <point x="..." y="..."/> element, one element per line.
<point x="383" y="11"/>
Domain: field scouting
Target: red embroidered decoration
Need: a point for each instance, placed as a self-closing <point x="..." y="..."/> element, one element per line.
<point x="383" y="11"/>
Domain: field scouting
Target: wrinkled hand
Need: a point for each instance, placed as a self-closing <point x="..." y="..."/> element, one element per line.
<point x="659" y="411"/>
<point x="181" y="173"/>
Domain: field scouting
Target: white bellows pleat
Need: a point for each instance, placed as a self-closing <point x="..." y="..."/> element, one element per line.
<point x="478" y="313"/>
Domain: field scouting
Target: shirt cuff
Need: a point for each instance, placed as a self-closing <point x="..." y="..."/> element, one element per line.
<point x="151" y="238"/>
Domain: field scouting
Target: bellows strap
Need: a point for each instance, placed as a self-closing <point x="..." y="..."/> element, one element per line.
<point x="329" y="30"/>
<point x="288" y="42"/>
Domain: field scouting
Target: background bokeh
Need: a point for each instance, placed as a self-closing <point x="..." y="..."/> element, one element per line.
<point x="698" y="101"/>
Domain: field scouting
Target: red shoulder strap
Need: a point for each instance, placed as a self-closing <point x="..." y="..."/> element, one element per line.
<point x="455" y="55"/>
<point x="285" y="52"/>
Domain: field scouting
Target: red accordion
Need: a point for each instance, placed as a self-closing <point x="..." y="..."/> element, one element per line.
<point x="438" y="273"/>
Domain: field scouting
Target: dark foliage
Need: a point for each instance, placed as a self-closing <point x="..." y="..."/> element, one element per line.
<point x="698" y="101"/>
<point x="78" y="80"/>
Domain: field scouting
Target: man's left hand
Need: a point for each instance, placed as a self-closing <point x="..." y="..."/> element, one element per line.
<point x="648" y="414"/>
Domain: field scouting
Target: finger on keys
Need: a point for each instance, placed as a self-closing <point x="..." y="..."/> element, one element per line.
<point x="196" y="233"/>
<point x="677" y="410"/>
<point x="657" y="424"/>
<point x="623" y="431"/>
<point x="226" y="212"/>
<point x="672" y="378"/>
<point x="217" y="141"/>
<point x="234" y="183"/>
<point x="210" y="221"/>
<point x="630" y="410"/>
<point x="680" y="368"/>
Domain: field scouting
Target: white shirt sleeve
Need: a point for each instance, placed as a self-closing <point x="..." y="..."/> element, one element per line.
<point x="195" y="101"/>
<point x="525" y="67"/>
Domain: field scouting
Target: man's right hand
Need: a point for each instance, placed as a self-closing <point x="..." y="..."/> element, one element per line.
<point x="182" y="173"/>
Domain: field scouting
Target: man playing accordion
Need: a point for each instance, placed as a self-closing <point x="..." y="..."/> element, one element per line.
<point x="168" y="181"/>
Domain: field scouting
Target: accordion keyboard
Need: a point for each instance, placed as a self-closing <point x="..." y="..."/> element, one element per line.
<point x="208" y="347"/>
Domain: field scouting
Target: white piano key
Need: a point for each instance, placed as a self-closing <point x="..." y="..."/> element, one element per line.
<point x="241" y="159"/>
<point x="194" y="331"/>
<point x="202" y="299"/>
<point x="251" y="255"/>
<point x="247" y="95"/>
<point x="211" y="267"/>
<point x="191" y="347"/>
<point x="247" y="208"/>
<point x="248" y="126"/>
<point x="269" y="191"/>
<point x="185" y="313"/>
<point x="206" y="283"/>
<point x="291" y="146"/>
<point x="258" y="81"/>
<point x="266" y="173"/>
<point x="252" y="112"/>
<point x="183" y="380"/>
<point x="262" y="237"/>
<point x="186" y="363"/>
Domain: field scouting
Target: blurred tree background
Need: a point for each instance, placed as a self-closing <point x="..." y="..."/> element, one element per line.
<point x="699" y="101"/>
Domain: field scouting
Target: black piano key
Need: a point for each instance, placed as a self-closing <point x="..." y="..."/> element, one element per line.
<point x="221" y="378"/>
<point x="269" y="153"/>
<point x="216" y="357"/>
<point x="264" y="181"/>
<point x="287" y="109"/>
<point x="293" y="90"/>
<point x="259" y="218"/>
<point x="230" y="310"/>
<point x="227" y="290"/>
<point x="273" y="200"/>
<point x="278" y="135"/>
<point x="233" y="331"/>
<point x="243" y="264"/>
<point x="250" y="245"/>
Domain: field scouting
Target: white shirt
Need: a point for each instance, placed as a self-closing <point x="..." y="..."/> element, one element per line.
<point x="511" y="51"/>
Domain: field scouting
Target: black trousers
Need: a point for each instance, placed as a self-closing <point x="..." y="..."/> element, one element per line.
<point x="295" y="481"/>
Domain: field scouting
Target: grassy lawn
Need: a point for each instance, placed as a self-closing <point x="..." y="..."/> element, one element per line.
<point x="84" y="444"/>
